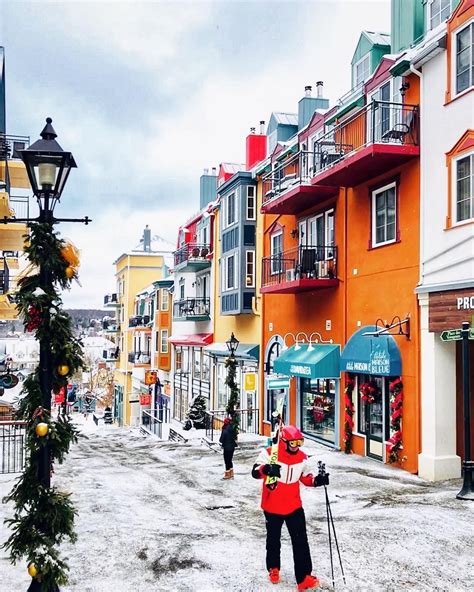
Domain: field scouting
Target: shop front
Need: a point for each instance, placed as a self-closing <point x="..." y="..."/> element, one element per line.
<point x="316" y="368"/>
<point x="372" y="363"/>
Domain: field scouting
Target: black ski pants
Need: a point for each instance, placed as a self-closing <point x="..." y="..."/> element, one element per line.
<point x="228" y="455"/>
<point x="296" y="524"/>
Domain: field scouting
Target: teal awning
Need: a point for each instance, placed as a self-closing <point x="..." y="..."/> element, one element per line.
<point x="245" y="351"/>
<point x="343" y="109"/>
<point x="321" y="361"/>
<point x="367" y="354"/>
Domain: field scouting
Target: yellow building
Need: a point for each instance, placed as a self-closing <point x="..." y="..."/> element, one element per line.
<point x="134" y="271"/>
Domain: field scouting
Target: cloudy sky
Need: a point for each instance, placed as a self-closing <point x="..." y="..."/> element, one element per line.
<point x="148" y="94"/>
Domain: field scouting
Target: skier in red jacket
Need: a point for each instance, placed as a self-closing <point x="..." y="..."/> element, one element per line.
<point x="283" y="504"/>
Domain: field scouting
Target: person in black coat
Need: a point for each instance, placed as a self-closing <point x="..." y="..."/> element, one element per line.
<point x="228" y="441"/>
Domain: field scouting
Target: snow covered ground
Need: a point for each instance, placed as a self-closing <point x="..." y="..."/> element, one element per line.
<point x="156" y="516"/>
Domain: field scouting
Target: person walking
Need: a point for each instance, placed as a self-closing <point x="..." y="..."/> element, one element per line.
<point x="281" y="503"/>
<point x="228" y="441"/>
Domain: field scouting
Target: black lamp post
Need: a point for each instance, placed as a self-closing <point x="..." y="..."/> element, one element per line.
<point x="232" y="345"/>
<point x="467" y="490"/>
<point x="48" y="167"/>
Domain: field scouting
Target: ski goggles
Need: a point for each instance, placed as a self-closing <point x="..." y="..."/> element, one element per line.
<point x="295" y="443"/>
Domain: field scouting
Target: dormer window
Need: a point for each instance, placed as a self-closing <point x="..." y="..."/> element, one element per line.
<point x="439" y="11"/>
<point x="361" y="70"/>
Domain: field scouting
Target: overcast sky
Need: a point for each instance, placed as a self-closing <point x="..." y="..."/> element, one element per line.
<point x="148" y="94"/>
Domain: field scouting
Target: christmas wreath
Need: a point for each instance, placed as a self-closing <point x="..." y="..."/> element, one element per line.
<point x="369" y="392"/>
<point x="396" y="406"/>
<point x="348" y="415"/>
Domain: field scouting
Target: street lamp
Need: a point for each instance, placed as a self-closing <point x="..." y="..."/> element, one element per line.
<point x="232" y="344"/>
<point x="48" y="167"/>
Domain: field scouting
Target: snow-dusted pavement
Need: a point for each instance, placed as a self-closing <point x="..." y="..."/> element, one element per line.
<point x="156" y="516"/>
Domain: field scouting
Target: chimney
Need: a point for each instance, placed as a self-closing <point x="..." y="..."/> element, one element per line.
<point x="262" y="128"/>
<point x="256" y="147"/>
<point x="308" y="104"/>
<point x="207" y="187"/>
<point x="319" y="89"/>
<point x="147" y="239"/>
<point x="206" y="171"/>
<point x="214" y="172"/>
<point x="307" y="91"/>
<point x="252" y="130"/>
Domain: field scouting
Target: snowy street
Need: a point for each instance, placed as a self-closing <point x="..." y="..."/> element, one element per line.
<point x="156" y="516"/>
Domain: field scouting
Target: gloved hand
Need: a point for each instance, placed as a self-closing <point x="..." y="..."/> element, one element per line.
<point x="321" y="480"/>
<point x="273" y="470"/>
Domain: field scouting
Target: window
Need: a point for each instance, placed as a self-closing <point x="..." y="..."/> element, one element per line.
<point x="384" y="213"/>
<point x="465" y="58"/>
<point x="464" y="188"/>
<point x="276" y="251"/>
<point x="157" y="303"/>
<point x="250" y="269"/>
<point x="178" y="359"/>
<point x="164" y="341"/>
<point x="231" y="209"/>
<point x="361" y="70"/>
<point x="197" y="354"/>
<point x="439" y="11"/>
<point x="164" y="299"/>
<point x="230" y="282"/>
<point x="250" y="202"/>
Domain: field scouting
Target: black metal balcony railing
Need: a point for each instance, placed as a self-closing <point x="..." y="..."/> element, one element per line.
<point x="379" y="122"/>
<point x="110" y="299"/>
<point x="110" y="326"/>
<point x="112" y="354"/>
<point x="304" y="262"/>
<point x="296" y="170"/>
<point x="139" y="357"/>
<point x="191" y="252"/>
<point x="12" y="446"/>
<point x="139" y="321"/>
<point x="191" y="307"/>
<point x="10" y="145"/>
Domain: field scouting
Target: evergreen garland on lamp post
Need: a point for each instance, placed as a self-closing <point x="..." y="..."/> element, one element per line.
<point x="233" y="401"/>
<point x="44" y="516"/>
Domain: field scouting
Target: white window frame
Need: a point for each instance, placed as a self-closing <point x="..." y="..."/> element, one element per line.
<point x="375" y="192"/>
<point x="164" y="346"/>
<point x="275" y="268"/>
<point x="454" y="192"/>
<point x="251" y="203"/>
<point x="164" y="300"/>
<point x="429" y="13"/>
<point x="454" y="87"/>
<point x="227" y="224"/>
<point x="365" y="58"/>
<point x="250" y="263"/>
<point x="235" y="285"/>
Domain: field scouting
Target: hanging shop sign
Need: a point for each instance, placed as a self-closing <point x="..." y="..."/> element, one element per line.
<point x="448" y="310"/>
<point x="8" y="380"/>
<point x="250" y="382"/>
<point x="145" y="400"/>
<point x="151" y="376"/>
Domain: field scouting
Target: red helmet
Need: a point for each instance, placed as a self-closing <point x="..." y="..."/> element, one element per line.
<point x="292" y="434"/>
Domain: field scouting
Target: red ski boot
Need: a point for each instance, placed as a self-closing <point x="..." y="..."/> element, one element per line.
<point x="274" y="575"/>
<point x="309" y="583"/>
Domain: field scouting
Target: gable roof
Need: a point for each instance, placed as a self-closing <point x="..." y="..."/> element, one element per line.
<point x="377" y="38"/>
<point x="283" y="118"/>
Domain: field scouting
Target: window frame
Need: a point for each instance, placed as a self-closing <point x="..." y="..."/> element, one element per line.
<point x="252" y="207"/>
<point x="455" y="160"/>
<point x="235" y="285"/>
<point x="454" y="53"/>
<point x="374" y="191"/>
<point x="164" y="342"/>
<point x="273" y="269"/>
<point x="227" y="210"/>
<point x="250" y="263"/>
<point x="164" y="300"/>
<point x="429" y="15"/>
<point x="364" y="58"/>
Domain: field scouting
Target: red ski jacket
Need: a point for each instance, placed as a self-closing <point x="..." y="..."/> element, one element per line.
<point x="285" y="498"/>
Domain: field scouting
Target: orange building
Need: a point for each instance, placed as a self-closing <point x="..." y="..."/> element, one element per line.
<point x="341" y="262"/>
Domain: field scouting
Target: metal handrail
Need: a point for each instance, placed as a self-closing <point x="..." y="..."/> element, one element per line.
<point x="191" y="251"/>
<point x="248" y="421"/>
<point x="290" y="173"/>
<point x="191" y="307"/>
<point x="12" y="446"/>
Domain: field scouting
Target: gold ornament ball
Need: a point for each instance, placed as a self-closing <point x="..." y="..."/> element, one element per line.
<point x="42" y="429"/>
<point x="33" y="572"/>
<point x="63" y="370"/>
<point x="69" y="273"/>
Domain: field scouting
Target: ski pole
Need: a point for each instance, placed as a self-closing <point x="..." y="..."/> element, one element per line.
<point x="322" y="471"/>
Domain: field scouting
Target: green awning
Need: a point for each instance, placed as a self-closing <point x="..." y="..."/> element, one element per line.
<point x="245" y="351"/>
<point x="357" y="102"/>
<point x="316" y="361"/>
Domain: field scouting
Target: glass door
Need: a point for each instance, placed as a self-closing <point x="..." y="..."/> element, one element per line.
<point x="318" y="413"/>
<point x="371" y="414"/>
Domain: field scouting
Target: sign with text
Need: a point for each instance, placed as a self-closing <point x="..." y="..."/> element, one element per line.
<point x="447" y="310"/>
<point x="455" y="335"/>
<point x="151" y="377"/>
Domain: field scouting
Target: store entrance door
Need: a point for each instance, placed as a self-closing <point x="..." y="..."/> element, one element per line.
<point x="373" y="418"/>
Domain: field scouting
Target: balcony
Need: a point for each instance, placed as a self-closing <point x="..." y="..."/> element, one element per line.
<point x="139" y="322"/>
<point x="287" y="189"/>
<point x="139" y="359"/>
<point x="111" y="300"/>
<point x="302" y="269"/>
<point x="110" y="327"/>
<point x="10" y="145"/>
<point x="376" y="139"/>
<point x="111" y="355"/>
<point x="192" y="309"/>
<point x="192" y="257"/>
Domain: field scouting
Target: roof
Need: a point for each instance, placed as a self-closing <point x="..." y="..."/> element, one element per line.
<point x="198" y="339"/>
<point x="285" y="118"/>
<point x="377" y="38"/>
<point x="232" y="167"/>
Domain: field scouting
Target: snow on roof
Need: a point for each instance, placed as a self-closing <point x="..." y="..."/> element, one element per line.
<point x="378" y="38"/>
<point x="232" y="167"/>
<point x="157" y="245"/>
<point x="286" y="118"/>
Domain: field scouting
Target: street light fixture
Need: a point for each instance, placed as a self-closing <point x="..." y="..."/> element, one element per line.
<point x="232" y="344"/>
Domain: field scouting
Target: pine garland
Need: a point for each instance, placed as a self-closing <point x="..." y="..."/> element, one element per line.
<point x="348" y="415"/>
<point x="44" y="516"/>
<point x="396" y="408"/>
<point x="233" y="402"/>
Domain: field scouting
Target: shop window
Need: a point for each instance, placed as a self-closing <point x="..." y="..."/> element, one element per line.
<point x="318" y="412"/>
<point x="274" y="397"/>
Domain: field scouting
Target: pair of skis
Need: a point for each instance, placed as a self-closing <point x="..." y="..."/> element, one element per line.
<point x="271" y="482"/>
